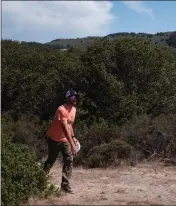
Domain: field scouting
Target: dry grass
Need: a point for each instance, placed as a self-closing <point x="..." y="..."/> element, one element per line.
<point x="144" y="184"/>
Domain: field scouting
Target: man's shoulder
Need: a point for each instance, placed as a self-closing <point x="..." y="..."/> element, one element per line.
<point x="74" y="108"/>
<point x="62" y="112"/>
<point x="61" y="108"/>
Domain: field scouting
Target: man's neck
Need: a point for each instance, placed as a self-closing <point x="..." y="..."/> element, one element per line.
<point x="67" y="104"/>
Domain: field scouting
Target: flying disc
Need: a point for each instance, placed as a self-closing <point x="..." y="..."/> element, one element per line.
<point x="78" y="146"/>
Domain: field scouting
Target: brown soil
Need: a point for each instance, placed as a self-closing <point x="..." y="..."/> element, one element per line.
<point x="144" y="184"/>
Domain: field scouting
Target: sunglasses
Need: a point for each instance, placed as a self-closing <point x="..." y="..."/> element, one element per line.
<point x="73" y="97"/>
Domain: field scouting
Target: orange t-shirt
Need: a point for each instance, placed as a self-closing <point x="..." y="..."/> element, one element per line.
<point x="63" y="112"/>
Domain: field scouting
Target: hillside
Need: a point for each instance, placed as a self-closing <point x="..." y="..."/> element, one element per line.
<point x="160" y="38"/>
<point x="163" y="38"/>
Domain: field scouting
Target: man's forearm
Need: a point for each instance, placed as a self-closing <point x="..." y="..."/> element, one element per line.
<point x="68" y="136"/>
<point x="72" y="132"/>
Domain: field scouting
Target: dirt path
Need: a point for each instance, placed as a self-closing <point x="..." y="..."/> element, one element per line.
<point x="144" y="184"/>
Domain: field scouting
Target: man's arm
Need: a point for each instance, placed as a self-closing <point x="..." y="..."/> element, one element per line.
<point x="67" y="134"/>
<point x="72" y="133"/>
<point x="71" y="130"/>
<point x="63" y="117"/>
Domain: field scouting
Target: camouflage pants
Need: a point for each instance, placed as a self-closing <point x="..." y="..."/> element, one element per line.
<point x="54" y="148"/>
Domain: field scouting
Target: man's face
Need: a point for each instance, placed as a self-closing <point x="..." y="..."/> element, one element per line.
<point x="72" y="100"/>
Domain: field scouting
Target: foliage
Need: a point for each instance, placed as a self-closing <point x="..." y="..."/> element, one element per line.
<point x="107" y="154"/>
<point x="128" y="73"/>
<point x="33" y="77"/>
<point x="139" y="138"/>
<point x="171" y="41"/>
<point x="21" y="176"/>
<point x="152" y="136"/>
<point x="27" y="130"/>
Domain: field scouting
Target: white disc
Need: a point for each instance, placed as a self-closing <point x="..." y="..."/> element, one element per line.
<point x="78" y="146"/>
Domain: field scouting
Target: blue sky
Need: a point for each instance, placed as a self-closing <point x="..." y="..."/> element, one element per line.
<point x="48" y="20"/>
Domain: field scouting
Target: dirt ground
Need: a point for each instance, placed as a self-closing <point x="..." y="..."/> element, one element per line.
<point x="144" y="184"/>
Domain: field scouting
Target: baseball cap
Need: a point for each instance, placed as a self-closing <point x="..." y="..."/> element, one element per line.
<point x="70" y="93"/>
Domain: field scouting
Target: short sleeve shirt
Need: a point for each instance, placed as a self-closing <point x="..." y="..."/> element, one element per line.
<point x="63" y="112"/>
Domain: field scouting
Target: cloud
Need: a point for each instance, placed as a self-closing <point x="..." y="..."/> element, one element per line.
<point x="139" y="7"/>
<point x="65" y="18"/>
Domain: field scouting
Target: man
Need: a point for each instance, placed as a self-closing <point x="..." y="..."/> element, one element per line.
<point x="61" y="139"/>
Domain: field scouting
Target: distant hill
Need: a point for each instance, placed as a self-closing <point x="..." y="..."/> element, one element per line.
<point x="164" y="38"/>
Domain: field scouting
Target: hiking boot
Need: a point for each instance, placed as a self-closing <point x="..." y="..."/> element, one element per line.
<point x="67" y="190"/>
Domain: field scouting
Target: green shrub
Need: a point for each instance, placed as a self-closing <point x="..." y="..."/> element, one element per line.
<point x="152" y="136"/>
<point x="129" y="76"/>
<point x="101" y="146"/>
<point x="21" y="176"/>
<point x="30" y="130"/>
<point x="27" y="130"/>
<point x="138" y="139"/>
<point x="8" y="126"/>
<point x="96" y="134"/>
<point x="106" y="155"/>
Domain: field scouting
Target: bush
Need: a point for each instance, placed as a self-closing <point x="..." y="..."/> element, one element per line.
<point x="152" y="136"/>
<point x="138" y="139"/>
<point x="30" y="130"/>
<point x="101" y="146"/>
<point x="96" y="134"/>
<point x="8" y="127"/>
<point x="27" y="130"/>
<point x="21" y="176"/>
<point x="110" y="154"/>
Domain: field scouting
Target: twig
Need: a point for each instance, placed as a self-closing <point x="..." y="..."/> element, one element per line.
<point x="152" y="156"/>
<point x="145" y="149"/>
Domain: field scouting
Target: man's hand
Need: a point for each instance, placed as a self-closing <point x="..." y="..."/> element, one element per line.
<point x="75" y="140"/>
<point x="73" y="149"/>
<point x="68" y="136"/>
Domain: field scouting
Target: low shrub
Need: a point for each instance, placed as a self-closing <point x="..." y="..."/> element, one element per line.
<point x="93" y="136"/>
<point x="27" y="130"/>
<point x="101" y="146"/>
<point x="31" y="131"/>
<point x="110" y="154"/>
<point x="22" y="177"/>
<point x="102" y="143"/>
<point x="152" y="136"/>
<point x="138" y="139"/>
<point x="98" y="133"/>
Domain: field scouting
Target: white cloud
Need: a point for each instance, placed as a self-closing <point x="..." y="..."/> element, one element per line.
<point x="139" y="7"/>
<point x="74" y="18"/>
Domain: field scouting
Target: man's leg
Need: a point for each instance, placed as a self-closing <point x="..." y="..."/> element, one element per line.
<point x="53" y="151"/>
<point x="67" y="167"/>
